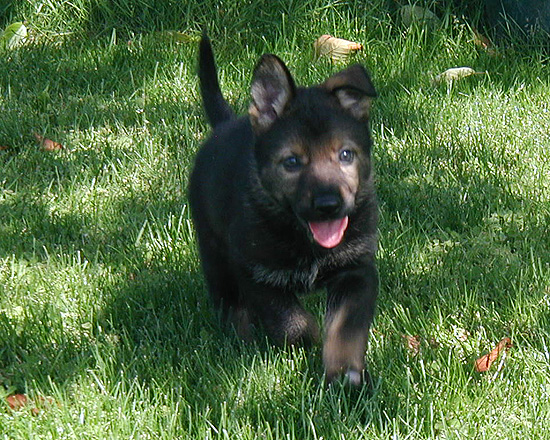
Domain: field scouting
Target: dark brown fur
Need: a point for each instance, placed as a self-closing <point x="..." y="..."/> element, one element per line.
<point x="301" y="156"/>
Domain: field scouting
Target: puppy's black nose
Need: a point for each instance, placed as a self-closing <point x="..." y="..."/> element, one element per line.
<point x="327" y="204"/>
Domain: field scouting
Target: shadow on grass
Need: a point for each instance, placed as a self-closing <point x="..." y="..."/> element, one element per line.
<point x="103" y="88"/>
<point x="99" y="106"/>
<point x="169" y="337"/>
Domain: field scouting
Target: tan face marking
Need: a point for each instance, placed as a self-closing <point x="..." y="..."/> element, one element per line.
<point x="321" y="169"/>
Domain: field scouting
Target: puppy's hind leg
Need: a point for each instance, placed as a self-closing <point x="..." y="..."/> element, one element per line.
<point x="280" y="313"/>
<point x="222" y="285"/>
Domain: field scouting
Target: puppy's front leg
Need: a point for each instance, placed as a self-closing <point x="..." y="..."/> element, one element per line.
<point x="351" y="302"/>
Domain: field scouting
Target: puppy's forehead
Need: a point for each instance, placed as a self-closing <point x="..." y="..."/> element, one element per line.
<point x="314" y="121"/>
<point x="317" y="108"/>
<point x="327" y="143"/>
<point x="323" y="125"/>
<point x="312" y="97"/>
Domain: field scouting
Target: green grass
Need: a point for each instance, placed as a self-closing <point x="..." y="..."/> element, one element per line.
<point x="102" y="304"/>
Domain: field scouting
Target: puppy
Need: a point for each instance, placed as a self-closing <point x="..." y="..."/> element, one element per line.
<point x="283" y="202"/>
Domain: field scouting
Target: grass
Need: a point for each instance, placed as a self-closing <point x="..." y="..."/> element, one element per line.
<point x="103" y="310"/>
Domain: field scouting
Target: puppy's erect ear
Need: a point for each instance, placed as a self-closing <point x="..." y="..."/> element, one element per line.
<point x="353" y="88"/>
<point x="272" y="89"/>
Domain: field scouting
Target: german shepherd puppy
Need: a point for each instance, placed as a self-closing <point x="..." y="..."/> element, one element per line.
<point x="283" y="201"/>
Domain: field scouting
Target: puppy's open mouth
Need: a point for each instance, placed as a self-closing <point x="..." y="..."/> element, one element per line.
<point x="329" y="233"/>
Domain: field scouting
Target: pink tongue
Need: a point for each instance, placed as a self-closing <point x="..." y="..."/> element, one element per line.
<point x="329" y="234"/>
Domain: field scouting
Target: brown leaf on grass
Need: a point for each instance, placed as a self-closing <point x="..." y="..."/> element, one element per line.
<point x="47" y="144"/>
<point x="484" y="362"/>
<point x="337" y="49"/>
<point x="484" y="43"/>
<point x="412" y="343"/>
<point x="481" y="40"/>
<point x="17" y="401"/>
<point x="4" y="148"/>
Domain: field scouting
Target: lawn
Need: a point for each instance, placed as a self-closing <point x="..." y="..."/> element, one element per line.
<point x="105" y="325"/>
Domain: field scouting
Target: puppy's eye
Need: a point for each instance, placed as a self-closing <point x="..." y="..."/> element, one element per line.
<point x="292" y="163"/>
<point x="346" y="156"/>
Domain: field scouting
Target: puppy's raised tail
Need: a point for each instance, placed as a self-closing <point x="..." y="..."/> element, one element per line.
<point x="216" y="107"/>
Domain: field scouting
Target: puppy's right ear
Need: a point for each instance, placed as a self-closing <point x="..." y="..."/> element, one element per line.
<point x="272" y="89"/>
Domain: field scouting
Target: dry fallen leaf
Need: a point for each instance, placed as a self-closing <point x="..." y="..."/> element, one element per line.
<point x="484" y="362"/>
<point x="455" y="73"/>
<point x="47" y="144"/>
<point x="337" y="49"/>
<point x="4" y="147"/>
<point x="17" y="401"/>
<point x="20" y="401"/>
<point x="483" y="42"/>
<point x="412" y="343"/>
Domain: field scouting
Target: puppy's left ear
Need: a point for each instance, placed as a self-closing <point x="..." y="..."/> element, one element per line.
<point x="354" y="90"/>
<point x="272" y="89"/>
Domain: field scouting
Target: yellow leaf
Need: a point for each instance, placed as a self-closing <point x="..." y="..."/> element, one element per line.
<point x="455" y="73"/>
<point x="337" y="49"/>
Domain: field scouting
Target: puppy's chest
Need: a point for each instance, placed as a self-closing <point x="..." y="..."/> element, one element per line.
<point x="306" y="273"/>
<point x="303" y="275"/>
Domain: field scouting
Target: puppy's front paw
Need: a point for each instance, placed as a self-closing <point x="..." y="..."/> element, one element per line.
<point x="350" y="377"/>
<point x="353" y="378"/>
